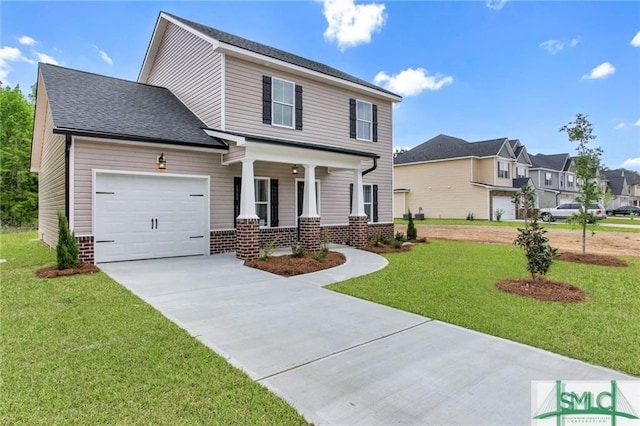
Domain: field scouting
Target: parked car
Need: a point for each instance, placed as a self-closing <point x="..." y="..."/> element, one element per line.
<point x="624" y="210"/>
<point x="566" y="210"/>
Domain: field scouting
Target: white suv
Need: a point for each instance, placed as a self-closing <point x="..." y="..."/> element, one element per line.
<point x="566" y="210"/>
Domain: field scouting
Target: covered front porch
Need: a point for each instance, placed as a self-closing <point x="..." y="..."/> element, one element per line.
<point x="274" y="202"/>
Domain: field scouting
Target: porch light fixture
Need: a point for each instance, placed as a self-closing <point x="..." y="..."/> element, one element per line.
<point x="294" y="169"/>
<point x="162" y="162"/>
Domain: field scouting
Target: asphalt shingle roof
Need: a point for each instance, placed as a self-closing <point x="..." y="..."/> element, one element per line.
<point x="551" y="162"/>
<point x="274" y="53"/>
<point x="444" y="147"/>
<point x="616" y="184"/>
<point x="95" y="104"/>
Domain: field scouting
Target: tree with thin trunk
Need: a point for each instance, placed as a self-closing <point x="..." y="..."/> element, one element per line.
<point x="586" y="165"/>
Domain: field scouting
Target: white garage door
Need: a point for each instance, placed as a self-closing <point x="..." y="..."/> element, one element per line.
<point x="146" y="216"/>
<point x="506" y="205"/>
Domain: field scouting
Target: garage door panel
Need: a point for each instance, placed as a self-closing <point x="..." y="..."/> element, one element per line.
<point x="145" y="217"/>
<point x="505" y="204"/>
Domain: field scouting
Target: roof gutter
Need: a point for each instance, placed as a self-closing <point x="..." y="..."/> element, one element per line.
<point x="67" y="168"/>
<point x="372" y="168"/>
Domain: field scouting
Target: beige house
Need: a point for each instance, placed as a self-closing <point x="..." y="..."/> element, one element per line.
<point x="213" y="149"/>
<point x="448" y="177"/>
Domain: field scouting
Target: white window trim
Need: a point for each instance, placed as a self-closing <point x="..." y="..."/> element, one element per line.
<point x="502" y="164"/>
<point x="295" y="201"/>
<point x="268" y="202"/>
<point x="364" y="186"/>
<point x="364" y="121"/>
<point x="550" y="180"/>
<point x="274" y="102"/>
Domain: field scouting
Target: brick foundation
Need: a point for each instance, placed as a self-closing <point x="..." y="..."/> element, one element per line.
<point x="337" y="234"/>
<point x="247" y="239"/>
<point x="222" y="241"/>
<point x="359" y="231"/>
<point x="286" y="236"/>
<point x="310" y="236"/>
<point x="85" y="244"/>
<point x="385" y="229"/>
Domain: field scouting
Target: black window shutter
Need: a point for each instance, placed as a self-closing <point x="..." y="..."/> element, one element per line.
<point x="237" y="185"/>
<point x="300" y="188"/>
<point x="375" y="203"/>
<point x="374" y="114"/>
<point x="298" y="107"/>
<point x="352" y="118"/>
<point x="274" y="202"/>
<point x="266" y="99"/>
<point x="350" y="198"/>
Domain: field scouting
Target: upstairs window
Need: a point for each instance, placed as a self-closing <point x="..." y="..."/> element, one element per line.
<point x="570" y="181"/>
<point x="503" y="169"/>
<point x="521" y="172"/>
<point x="548" y="179"/>
<point x="281" y="103"/>
<point x="363" y="120"/>
<point x="561" y="181"/>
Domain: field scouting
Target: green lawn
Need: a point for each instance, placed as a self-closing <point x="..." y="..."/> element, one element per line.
<point x="516" y="224"/>
<point x="84" y="350"/>
<point x="454" y="282"/>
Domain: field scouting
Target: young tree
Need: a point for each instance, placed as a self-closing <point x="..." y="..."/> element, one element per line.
<point x="586" y="165"/>
<point x="67" y="251"/>
<point x="412" y="232"/>
<point x="526" y="199"/>
<point x="19" y="194"/>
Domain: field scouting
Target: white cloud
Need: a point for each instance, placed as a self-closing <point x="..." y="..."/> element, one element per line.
<point x="603" y="70"/>
<point x="555" y="46"/>
<point x="620" y="125"/>
<point x="496" y="4"/>
<point x="636" y="124"/>
<point x="26" y="40"/>
<point x="351" y="24"/>
<point x="635" y="41"/>
<point x="412" y="81"/>
<point x="105" y="57"/>
<point x="632" y="163"/>
<point x="43" y="57"/>
<point x="10" y="54"/>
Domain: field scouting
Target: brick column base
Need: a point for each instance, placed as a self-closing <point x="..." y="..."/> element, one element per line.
<point x="247" y="239"/>
<point x="85" y="244"/>
<point x="310" y="235"/>
<point x="358" y="231"/>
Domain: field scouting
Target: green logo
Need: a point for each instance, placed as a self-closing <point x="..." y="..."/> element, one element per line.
<point x="586" y="403"/>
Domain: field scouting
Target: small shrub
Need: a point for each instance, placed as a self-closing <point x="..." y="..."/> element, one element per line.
<point x="412" y="232"/>
<point x="386" y="240"/>
<point x="422" y="240"/>
<point x="398" y="244"/>
<point x="297" y="250"/>
<point x="470" y="216"/>
<point x="325" y="242"/>
<point x="540" y="255"/>
<point x="499" y="214"/>
<point x="67" y="251"/>
<point x="400" y="237"/>
<point x="267" y="251"/>
<point x="319" y="255"/>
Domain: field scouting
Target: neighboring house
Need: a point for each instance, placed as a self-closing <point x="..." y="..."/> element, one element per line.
<point x="633" y="180"/>
<point x="554" y="179"/>
<point x="619" y="188"/>
<point x="450" y="177"/>
<point x="211" y="151"/>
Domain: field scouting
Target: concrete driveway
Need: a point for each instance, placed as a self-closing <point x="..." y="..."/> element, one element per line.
<point x="342" y="360"/>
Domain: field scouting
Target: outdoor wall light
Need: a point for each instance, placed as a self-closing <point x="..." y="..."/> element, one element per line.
<point x="294" y="169"/>
<point x="162" y="162"/>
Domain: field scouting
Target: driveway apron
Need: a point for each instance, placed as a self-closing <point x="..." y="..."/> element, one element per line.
<point x="342" y="360"/>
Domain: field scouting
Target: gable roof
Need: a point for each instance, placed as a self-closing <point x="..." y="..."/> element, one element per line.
<point x="267" y="51"/>
<point x="550" y="162"/>
<point x="444" y="147"/>
<point x="89" y="104"/>
<point x="616" y="184"/>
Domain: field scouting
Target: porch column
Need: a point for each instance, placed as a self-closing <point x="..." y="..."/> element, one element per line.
<point x="247" y="222"/>
<point x="358" y="228"/>
<point x="309" y="221"/>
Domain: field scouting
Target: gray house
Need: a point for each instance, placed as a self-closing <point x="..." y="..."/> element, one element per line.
<point x="554" y="179"/>
<point x="617" y="184"/>
<point x="223" y="144"/>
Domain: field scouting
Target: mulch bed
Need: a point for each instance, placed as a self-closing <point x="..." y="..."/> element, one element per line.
<point x="543" y="289"/>
<point x="288" y="266"/>
<point x="54" y="272"/>
<point x="592" y="259"/>
<point x="391" y="248"/>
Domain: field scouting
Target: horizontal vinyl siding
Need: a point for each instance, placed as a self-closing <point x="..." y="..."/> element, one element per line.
<point x="442" y="189"/>
<point x="91" y="155"/>
<point x="188" y="66"/>
<point x="51" y="183"/>
<point x="487" y="170"/>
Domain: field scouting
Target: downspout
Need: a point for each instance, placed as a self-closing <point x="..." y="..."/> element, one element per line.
<point x="67" y="181"/>
<point x="372" y="168"/>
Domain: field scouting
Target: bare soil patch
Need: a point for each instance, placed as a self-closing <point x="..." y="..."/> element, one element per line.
<point x="543" y="289"/>
<point x="566" y="240"/>
<point x="592" y="259"/>
<point x="54" y="272"/>
<point x="288" y="265"/>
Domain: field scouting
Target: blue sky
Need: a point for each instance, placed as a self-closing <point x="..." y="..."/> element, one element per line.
<point x="471" y="69"/>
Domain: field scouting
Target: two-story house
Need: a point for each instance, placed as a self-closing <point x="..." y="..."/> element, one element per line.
<point x="554" y="179"/>
<point x="618" y="187"/>
<point x="223" y="144"/>
<point x="450" y="177"/>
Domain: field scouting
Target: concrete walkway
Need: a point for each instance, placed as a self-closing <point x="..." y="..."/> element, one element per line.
<point x="342" y="360"/>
